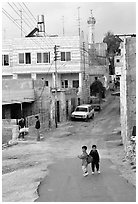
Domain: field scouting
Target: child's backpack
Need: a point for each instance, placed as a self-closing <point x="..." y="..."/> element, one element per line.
<point x="89" y="159"/>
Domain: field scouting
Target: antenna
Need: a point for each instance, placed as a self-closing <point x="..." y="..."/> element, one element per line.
<point x="4" y="33"/>
<point x="21" y="23"/>
<point x="79" y="20"/>
<point x="63" y="25"/>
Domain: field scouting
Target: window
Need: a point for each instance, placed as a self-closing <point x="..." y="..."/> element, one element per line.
<point x="81" y="109"/>
<point x="21" y="58"/>
<point x="75" y="83"/>
<point x="64" y="84"/>
<point x="39" y="58"/>
<point x="118" y="60"/>
<point x="90" y="109"/>
<point x="5" y="60"/>
<point x="46" y="83"/>
<point x="24" y="58"/>
<point x="28" y="58"/>
<point x="43" y="57"/>
<point x="62" y="56"/>
<point x="68" y="56"/>
<point x="65" y="56"/>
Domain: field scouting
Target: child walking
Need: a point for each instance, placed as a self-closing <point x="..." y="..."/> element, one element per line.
<point x="96" y="159"/>
<point x="84" y="157"/>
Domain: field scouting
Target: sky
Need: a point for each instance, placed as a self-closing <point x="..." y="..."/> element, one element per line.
<point x="118" y="17"/>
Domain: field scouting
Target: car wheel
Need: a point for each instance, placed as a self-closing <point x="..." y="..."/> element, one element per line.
<point x="92" y="116"/>
<point x="87" y="119"/>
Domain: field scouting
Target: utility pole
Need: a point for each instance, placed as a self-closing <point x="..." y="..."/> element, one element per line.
<point x="84" y="57"/>
<point x="55" y="59"/>
<point x="63" y="25"/>
<point x="21" y="23"/>
<point x="4" y="35"/>
<point x="79" y="20"/>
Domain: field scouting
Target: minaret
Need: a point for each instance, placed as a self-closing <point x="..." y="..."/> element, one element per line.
<point x="91" y="24"/>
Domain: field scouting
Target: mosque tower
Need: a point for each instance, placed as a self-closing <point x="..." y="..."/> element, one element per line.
<point x="91" y="32"/>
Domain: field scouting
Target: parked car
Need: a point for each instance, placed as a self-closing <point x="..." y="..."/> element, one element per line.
<point x="84" y="112"/>
<point x="95" y="101"/>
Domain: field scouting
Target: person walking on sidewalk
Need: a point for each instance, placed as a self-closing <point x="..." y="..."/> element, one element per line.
<point x="21" y="125"/>
<point x="96" y="159"/>
<point x="84" y="157"/>
<point x="37" y="127"/>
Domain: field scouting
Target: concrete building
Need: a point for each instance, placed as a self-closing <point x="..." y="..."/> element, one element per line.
<point x="33" y="57"/>
<point x="128" y="94"/>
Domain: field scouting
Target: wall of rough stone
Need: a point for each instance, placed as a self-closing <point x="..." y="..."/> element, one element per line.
<point x="128" y="96"/>
<point x="131" y="83"/>
<point x="7" y="125"/>
<point x="131" y="96"/>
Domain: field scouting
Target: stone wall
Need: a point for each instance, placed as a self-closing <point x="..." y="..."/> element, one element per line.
<point x="131" y="96"/>
<point x="128" y="96"/>
<point x="7" y="126"/>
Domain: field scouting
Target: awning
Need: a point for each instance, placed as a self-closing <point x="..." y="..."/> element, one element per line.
<point x="26" y="100"/>
<point x="115" y="94"/>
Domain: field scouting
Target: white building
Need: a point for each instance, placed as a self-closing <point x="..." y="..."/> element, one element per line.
<point x="33" y="57"/>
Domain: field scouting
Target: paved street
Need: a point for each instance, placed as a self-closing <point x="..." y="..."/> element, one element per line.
<point x="52" y="165"/>
<point x="65" y="182"/>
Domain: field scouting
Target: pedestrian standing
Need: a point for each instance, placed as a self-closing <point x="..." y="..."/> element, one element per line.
<point x="21" y="125"/>
<point x="37" y="126"/>
<point x="84" y="157"/>
<point x="96" y="159"/>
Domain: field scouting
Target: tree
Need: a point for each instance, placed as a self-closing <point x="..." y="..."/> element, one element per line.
<point x="113" y="44"/>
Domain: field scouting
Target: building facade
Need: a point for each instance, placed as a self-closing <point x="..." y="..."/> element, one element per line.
<point x="33" y="57"/>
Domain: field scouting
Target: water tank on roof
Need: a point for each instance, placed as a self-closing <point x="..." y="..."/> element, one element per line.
<point x="41" y="25"/>
<point x="40" y="19"/>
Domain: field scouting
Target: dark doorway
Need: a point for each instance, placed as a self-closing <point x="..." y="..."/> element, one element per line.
<point x="73" y="104"/>
<point x="58" y="112"/>
<point x="15" y="111"/>
<point x="67" y="110"/>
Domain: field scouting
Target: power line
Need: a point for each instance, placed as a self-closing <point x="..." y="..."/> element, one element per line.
<point x="24" y="31"/>
<point x="19" y="15"/>
<point x="29" y="11"/>
<point x="23" y="12"/>
<point x="10" y="18"/>
<point x="28" y="15"/>
<point x="36" y="21"/>
<point x="44" y="84"/>
<point x="52" y="44"/>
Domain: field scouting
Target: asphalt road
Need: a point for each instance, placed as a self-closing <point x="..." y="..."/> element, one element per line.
<point x="65" y="182"/>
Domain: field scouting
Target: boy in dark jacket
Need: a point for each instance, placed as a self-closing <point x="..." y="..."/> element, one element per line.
<point x="95" y="162"/>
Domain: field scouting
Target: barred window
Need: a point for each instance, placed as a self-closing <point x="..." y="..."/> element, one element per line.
<point x="5" y="60"/>
<point x="43" y="57"/>
<point x="65" y="56"/>
<point x="25" y="58"/>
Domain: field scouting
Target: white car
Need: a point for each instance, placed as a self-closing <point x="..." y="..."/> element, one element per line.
<point x="84" y="112"/>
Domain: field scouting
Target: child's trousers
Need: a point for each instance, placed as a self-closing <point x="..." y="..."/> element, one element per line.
<point x="95" y="164"/>
<point x="85" y="169"/>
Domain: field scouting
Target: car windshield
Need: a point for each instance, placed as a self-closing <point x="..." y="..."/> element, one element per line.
<point x="81" y="109"/>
